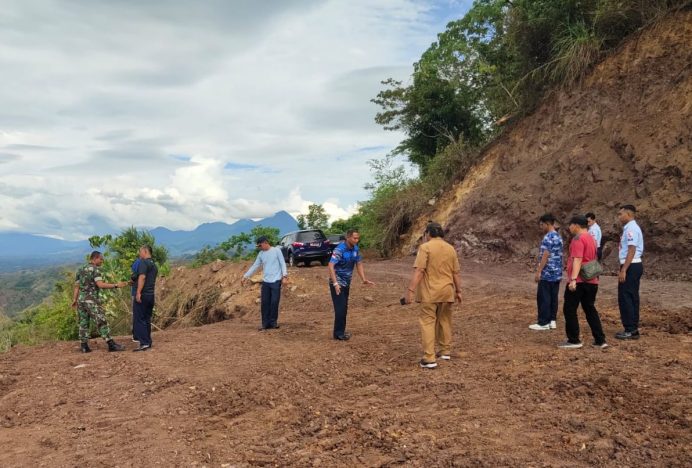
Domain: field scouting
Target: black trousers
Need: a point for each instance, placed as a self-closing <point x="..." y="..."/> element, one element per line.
<point x="141" y="318"/>
<point x="271" y="295"/>
<point x="340" y="309"/>
<point x="585" y="294"/>
<point x="547" y="298"/>
<point x="628" y="297"/>
<point x="599" y="253"/>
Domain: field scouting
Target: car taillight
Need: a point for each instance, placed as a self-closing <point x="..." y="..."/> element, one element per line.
<point x="297" y="244"/>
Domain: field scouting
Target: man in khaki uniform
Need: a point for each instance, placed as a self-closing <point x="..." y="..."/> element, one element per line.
<point x="436" y="283"/>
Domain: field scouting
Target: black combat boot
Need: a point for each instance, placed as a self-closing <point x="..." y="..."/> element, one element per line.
<point x="113" y="346"/>
<point x="86" y="348"/>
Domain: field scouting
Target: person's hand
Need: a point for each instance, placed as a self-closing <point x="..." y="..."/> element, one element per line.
<point x="337" y="289"/>
<point x="138" y="298"/>
<point x="122" y="284"/>
<point x="537" y="277"/>
<point x="243" y="281"/>
<point x="130" y="283"/>
<point x="622" y="275"/>
<point x="409" y="296"/>
<point x="368" y="282"/>
<point x="284" y="280"/>
<point x="74" y="305"/>
<point x="572" y="285"/>
<point x="458" y="296"/>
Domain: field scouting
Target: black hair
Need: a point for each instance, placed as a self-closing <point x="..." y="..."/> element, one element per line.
<point x="629" y="208"/>
<point x="434" y="230"/>
<point x="547" y="218"/>
<point x="590" y="215"/>
<point x="94" y="255"/>
<point x="579" y="220"/>
<point x="147" y="247"/>
<point x="350" y="232"/>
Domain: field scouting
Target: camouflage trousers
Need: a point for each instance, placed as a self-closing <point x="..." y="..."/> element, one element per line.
<point x="88" y="311"/>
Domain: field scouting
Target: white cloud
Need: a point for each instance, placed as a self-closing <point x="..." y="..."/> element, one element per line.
<point x="176" y="113"/>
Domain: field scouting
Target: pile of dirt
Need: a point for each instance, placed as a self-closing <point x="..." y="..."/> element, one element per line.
<point x="624" y="136"/>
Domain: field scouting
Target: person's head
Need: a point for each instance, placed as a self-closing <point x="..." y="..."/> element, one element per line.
<point x="263" y="243"/>
<point x="434" y="230"/>
<point x="547" y="222"/>
<point x="352" y="237"/>
<point x="96" y="258"/>
<point x="578" y="224"/>
<point x="145" y="251"/>
<point x="590" y="218"/>
<point x="626" y="213"/>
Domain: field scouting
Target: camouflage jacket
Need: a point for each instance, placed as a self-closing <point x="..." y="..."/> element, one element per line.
<point x="87" y="276"/>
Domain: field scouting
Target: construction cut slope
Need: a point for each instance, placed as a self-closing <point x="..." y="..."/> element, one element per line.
<point x="624" y="136"/>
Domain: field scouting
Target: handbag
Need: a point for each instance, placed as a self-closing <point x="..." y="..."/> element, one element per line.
<point x="591" y="270"/>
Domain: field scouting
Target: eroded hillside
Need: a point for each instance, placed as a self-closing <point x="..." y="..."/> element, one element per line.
<point x="623" y="136"/>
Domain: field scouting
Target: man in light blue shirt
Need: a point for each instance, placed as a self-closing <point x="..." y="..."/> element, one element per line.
<point x="274" y="274"/>
<point x="595" y="231"/>
<point x="631" y="270"/>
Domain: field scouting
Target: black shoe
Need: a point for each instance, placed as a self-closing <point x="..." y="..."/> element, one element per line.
<point x="142" y="348"/>
<point x="344" y="337"/>
<point x="625" y="335"/>
<point x="263" y="328"/>
<point x="113" y="346"/>
<point x="274" y="327"/>
<point x="86" y="348"/>
<point x="427" y="365"/>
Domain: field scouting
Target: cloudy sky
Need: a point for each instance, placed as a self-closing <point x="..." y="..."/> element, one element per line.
<point x="173" y="113"/>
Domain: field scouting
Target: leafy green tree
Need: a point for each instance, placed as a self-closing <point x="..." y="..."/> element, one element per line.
<point x="236" y="247"/>
<point x="316" y="218"/>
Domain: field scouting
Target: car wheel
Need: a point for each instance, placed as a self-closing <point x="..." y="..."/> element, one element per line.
<point x="325" y="261"/>
<point x="307" y="263"/>
<point x="291" y="260"/>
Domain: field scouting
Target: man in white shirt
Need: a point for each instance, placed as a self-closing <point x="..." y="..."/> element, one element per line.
<point x="631" y="270"/>
<point x="274" y="274"/>
<point x="595" y="231"/>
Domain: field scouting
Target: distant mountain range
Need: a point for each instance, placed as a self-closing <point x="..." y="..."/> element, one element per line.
<point x="21" y="250"/>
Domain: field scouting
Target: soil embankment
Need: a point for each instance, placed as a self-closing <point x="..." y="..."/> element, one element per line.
<point x="624" y="136"/>
<point x="228" y="395"/>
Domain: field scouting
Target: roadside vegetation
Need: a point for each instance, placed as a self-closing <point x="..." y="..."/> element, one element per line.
<point x="485" y="71"/>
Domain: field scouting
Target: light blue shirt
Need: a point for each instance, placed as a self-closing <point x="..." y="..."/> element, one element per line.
<point x="631" y="235"/>
<point x="595" y="231"/>
<point x="272" y="263"/>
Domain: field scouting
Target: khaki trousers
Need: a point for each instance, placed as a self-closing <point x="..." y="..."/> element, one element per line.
<point x="436" y="328"/>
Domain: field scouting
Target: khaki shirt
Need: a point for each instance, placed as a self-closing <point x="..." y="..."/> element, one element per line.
<point x="439" y="262"/>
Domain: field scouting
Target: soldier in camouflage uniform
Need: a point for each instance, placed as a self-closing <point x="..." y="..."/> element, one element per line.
<point x="88" y="303"/>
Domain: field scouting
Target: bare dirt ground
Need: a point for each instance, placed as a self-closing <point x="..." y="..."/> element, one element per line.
<point x="228" y="395"/>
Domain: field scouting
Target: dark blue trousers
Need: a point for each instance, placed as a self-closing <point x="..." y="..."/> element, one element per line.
<point x="271" y="295"/>
<point x="141" y="318"/>
<point x="547" y="298"/>
<point x="628" y="297"/>
<point x="340" y="309"/>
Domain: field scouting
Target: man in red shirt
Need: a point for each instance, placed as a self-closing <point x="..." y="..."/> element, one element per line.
<point x="582" y="250"/>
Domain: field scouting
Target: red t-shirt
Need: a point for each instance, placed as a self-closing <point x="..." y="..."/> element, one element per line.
<point x="582" y="246"/>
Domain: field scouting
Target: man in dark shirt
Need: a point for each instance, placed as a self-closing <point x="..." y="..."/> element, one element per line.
<point x="144" y="298"/>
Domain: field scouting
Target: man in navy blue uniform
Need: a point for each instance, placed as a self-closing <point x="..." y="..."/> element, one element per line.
<point x="345" y="258"/>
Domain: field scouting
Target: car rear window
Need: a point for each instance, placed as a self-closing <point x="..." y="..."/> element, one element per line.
<point x="310" y="236"/>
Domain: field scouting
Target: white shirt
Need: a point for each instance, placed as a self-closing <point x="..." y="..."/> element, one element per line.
<point x="631" y="235"/>
<point x="595" y="231"/>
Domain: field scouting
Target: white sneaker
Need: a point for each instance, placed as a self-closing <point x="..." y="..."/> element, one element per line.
<point x="536" y="326"/>
<point x="553" y="325"/>
<point x="568" y="345"/>
<point x="444" y="357"/>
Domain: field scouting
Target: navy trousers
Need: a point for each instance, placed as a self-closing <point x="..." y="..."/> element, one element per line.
<point x="340" y="309"/>
<point x="628" y="297"/>
<point x="271" y="295"/>
<point x="141" y="319"/>
<point x="547" y="298"/>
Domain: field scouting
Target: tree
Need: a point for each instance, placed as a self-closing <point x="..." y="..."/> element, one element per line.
<point x="316" y="218"/>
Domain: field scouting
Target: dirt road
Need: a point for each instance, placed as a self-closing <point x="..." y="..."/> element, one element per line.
<point x="228" y="395"/>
